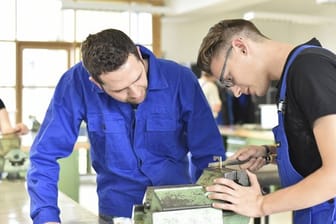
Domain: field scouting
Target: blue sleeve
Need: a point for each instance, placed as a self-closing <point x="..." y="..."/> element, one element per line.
<point x="204" y="138"/>
<point x="55" y="140"/>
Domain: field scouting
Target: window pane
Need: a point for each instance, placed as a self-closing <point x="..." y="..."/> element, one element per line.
<point x="68" y="23"/>
<point x="141" y="28"/>
<point x="7" y="64"/>
<point x="43" y="67"/>
<point x="89" y="22"/>
<point x="7" y="21"/>
<point x="39" y="20"/>
<point x="35" y="103"/>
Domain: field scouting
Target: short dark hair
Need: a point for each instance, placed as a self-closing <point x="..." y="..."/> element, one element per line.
<point x="106" y="51"/>
<point x="220" y="36"/>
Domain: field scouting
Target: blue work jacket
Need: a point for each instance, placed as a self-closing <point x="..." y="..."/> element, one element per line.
<point x="130" y="148"/>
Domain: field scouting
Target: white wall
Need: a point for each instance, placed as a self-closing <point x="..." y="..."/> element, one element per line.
<point x="181" y="38"/>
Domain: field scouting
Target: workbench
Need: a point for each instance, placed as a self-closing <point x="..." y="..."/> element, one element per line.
<point x="15" y="205"/>
<point x="237" y="136"/>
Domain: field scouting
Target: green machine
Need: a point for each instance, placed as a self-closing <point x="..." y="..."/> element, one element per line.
<point x="13" y="162"/>
<point x="188" y="204"/>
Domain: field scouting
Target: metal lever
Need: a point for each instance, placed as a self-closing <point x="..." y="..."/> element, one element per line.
<point x="230" y="162"/>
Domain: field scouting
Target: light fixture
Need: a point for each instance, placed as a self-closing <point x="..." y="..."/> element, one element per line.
<point x="325" y="1"/>
<point x="289" y="17"/>
<point x="113" y="6"/>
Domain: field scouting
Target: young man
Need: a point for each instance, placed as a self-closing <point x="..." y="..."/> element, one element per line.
<point x="245" y="61"/>
<point x="143" y="115"/>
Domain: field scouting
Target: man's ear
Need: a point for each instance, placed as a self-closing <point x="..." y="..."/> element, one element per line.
<point x="240" y="45"/>
<point x="95" y="82"/>
<point x="139" y="52"/>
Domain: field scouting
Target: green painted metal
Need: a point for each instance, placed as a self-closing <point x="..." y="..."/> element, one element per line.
<point x="13" y="162"/>
<point x="188" y="203"/>
<point x="69" y="176"/>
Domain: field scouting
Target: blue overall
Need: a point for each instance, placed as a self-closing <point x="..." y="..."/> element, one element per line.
<point x="323" y="213"/>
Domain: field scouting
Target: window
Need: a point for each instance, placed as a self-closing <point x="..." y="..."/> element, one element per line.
<point x="44" y="23"/>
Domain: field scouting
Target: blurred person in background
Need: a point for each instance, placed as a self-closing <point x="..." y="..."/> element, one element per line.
<point x="6" y="126"/>
<point x="211" y="92"/>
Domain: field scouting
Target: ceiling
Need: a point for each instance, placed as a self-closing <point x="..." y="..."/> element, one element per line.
<point x="300" y="11"/>
<point x="296" y="11"/>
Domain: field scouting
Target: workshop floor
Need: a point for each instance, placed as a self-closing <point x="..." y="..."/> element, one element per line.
<point x="88" y="199"/>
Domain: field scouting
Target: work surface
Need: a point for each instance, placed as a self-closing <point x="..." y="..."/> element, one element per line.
<point x="14" y="203"/>
<point x="246" y="131"/>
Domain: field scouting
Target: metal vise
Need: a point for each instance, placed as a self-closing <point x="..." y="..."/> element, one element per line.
<point x="188" y="204"/>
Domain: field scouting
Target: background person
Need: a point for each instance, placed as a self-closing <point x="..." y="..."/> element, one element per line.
<point x="245" y="61"/>
<point x="211" y="92"/>
<point x="6" y="126"/>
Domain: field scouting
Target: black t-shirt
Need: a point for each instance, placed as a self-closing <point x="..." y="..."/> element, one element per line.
<point x="2" y="105"/>
<point x="311" y="94"/>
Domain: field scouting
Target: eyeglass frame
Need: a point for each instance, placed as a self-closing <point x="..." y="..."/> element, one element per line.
<point x="228" y="82"/>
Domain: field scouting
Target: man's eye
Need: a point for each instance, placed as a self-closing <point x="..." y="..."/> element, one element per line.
<point x="118" y="91"/>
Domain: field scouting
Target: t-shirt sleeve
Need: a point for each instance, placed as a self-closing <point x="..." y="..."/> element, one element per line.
<point x="2" y="105"/>
<point x="314" y="83"/>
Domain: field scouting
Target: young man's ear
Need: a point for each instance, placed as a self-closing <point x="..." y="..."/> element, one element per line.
<point x="95" y="82"/>
<point x="240" y="45"/>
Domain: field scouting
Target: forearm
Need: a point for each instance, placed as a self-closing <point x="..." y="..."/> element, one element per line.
<point x="306" y="193"/>
<point x="43" y="195"/>
<point x="5" y="125"/>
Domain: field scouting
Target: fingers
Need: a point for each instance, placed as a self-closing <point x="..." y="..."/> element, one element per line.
<point x="247" y="152"/>
<point x="228" y="195"/>
<point x="254" y="164"/>
<point x="254" y="156"/>
<point x="225" y="194"/>
<point x="21" y="129"/>
<point x="253" y="180"/>
<point x="223" y="189"/>
<point x="224" y="206"/>
<point x="243" y="154"/>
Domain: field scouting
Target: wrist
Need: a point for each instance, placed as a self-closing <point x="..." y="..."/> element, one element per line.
<point x="262" y="206"/>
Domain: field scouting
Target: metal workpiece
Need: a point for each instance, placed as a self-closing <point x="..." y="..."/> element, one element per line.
<point x="209" y="174"/>
<point x="188" y="204"/>
<point x="232" y="162"/>
<point x="9" y="142"/>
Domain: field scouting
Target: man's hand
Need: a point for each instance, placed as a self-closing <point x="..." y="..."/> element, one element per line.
<point x="255" y="156"/>
<point x="21" y="129"/>
<point x="244" y="200"/>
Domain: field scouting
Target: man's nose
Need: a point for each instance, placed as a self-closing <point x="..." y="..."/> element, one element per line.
<point x="133" y="91"/>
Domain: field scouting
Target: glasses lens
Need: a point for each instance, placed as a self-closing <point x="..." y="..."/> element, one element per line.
<point x="227" y="83"/>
